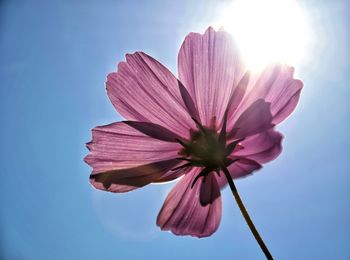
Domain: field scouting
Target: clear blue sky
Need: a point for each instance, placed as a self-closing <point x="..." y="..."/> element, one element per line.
<point x="54" y="56"/>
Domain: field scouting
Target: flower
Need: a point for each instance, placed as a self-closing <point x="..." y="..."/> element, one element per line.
<point x="216" y="115"/>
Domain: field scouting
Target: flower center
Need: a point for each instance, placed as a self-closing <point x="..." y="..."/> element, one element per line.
<point x="207" y="149"/>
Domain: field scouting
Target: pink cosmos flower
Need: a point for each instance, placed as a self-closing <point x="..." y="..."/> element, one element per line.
<point x="215" y="116"/>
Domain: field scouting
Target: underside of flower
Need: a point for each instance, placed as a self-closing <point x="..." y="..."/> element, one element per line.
<point x="231" y="133"/>
<point x="207" y="149"/>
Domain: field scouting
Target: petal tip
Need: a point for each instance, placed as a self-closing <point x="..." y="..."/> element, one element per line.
<point x="210" y="29"/>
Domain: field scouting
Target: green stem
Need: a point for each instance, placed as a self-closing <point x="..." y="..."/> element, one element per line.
<point x="246" y="215"/>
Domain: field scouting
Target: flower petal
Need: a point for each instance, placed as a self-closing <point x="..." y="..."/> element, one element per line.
<point x="183" y="213"/>
<point x="123" y="180"/>
<point x="238" y="169"/>
<point x="255" y="119"/>
<point x="209" y="190"/>
<point x="236" y="98"/>
<point x="154" y="131"/>
<point x="119" y="148"/>
<point x="277" y="86"/>
<point x="262" y="148"/>
<point x="191" y="107"/>
<point x="172" y="175"/>
<point x="144" y="90"/>
<point x="210" y="67"/>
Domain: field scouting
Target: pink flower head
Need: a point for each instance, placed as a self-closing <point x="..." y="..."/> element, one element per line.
<point x="214" y="115"/>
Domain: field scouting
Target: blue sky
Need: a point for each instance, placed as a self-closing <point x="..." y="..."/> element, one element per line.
<point x="54" y="59"/>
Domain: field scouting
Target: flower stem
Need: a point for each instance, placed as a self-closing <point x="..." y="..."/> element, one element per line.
<point x="246" y="215"/>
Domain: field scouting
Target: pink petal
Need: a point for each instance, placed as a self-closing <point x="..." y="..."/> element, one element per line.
<point x="262" y="148"/>
<point x="183" y="213"/>
<point x="190" y="105"/>
<point x="144" y="90"/>
<point x="172" y="175"/>
<point x="239" y="169"/>
<point x="120" y="149"/>
<point x="277" y="86"/>
<point x="154" y="131"/>
<point x="289" y="105"/>
<point x="123" y="180"/>
<point x="236" y="99"/>
<point x="209" y="190"/>
<point x="210" y="67"/>
<point x="255" y="119"/>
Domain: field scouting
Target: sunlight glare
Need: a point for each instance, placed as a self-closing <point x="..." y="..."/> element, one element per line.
<point x="267" y="31"/>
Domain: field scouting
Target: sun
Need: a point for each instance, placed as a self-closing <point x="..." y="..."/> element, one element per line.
<point x="267" y="31"/>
